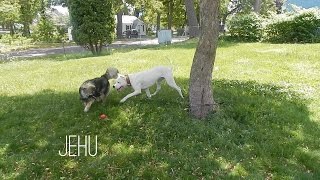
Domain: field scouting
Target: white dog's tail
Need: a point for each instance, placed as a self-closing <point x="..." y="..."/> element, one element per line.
<point x="171" y="63"/>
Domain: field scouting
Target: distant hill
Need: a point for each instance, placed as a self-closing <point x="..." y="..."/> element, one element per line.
<point x="305" y="3"/>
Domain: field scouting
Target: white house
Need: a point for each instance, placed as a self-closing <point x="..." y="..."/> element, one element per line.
<point x="132" y="22"/>
<point x="59" y="15"/>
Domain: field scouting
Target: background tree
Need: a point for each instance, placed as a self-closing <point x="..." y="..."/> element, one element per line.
<point x="267" y="6"/>
<point x="262" y="7"/>
<point x="279" y="4"/>
<point x="228" y="7"/>
<point x="175" y="13"/>
<point x="45" y="30"/>
<point x="168" y="13"/>
<point x="257" y="6"/>
<point x="92" y="22"/>
<point x="153" y="11"/>
<point x="200" y="88"/>
<point x="192" y="18"/>
<point x="28" y="11"/>
<point x="9" y="13"/>
<point x="170" y="8"/>
<point x="119" y="7"/>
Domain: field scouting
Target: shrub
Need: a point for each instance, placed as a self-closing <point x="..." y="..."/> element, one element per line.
<point x="45" y="31"/>
<point x="301" y="28"/>
<point x="245" y="27"/>
<point x="16" y="39"/>
<point x="92" y="22"/>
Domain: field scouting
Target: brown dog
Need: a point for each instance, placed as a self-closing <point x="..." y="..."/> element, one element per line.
<point x="96" y="89"/>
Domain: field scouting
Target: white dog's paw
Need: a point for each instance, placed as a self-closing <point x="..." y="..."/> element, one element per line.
<point x="122" y="100"/>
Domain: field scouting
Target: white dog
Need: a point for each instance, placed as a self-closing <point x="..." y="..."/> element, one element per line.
<point x="145" y="79"/>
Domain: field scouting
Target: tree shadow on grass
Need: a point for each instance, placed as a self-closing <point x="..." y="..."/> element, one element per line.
<point x="260" y="131"/>
<point x="33" y="130"/>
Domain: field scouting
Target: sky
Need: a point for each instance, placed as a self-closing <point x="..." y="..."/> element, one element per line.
<point x="305" y="3"/>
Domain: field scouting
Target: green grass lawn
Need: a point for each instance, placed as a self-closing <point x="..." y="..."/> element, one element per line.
<point x="267" y="125"/>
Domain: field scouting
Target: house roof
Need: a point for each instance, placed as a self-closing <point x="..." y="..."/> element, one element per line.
<point x="126" y="19"/>
<point x="61" y="10"/>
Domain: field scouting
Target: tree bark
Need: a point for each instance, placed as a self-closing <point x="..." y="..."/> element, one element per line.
<point x="96" y="49"/>
<point x="158" y="23"/>
<point x="100" y="47"/>
<point x="26" y="29"/>
<point x="279" y="4"/>
<point x="200" y="88"/>
<point x="192" y="19"/>
<point x="225" y="16"/>
<point x="11" y="29"/>
<point x="170" y="14"/>
<point x="257" y="6"/>
<point x="91" y="47"/>
<point x="119" y="24"/>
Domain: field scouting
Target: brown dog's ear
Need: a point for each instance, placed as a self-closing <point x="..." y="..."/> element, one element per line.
<point x="112" y="73"/>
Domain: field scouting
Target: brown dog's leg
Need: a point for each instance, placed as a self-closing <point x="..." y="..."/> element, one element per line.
<point x="88" y="105"/>
<point x="104" y="98"/>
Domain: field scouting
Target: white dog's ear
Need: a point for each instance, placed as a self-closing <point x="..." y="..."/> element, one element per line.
<point x="122" y="76"/>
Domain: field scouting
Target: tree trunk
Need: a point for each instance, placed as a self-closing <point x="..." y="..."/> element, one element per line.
<point x="192" y="19"/>
<point x="91" y="46"/>
<point x="11" y="29"/>
<point x="279" y="5"/>
<point x="96" y="49"/>
<point x="100" y="47"/>
<point x="170" y="12"/>
<point x="200" y="89"/>
<point x="158" y="22"/>
<point x="92" y="49"/>
<point x="119" y="24"/>
<point x="225" y="16"/>
<point x="257" y="6"/>
<point x="26" y="29"/>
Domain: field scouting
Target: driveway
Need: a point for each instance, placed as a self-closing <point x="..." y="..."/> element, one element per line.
<point x="74" y="49"/>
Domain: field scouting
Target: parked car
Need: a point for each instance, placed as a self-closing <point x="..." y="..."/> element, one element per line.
<point x="133" y="33"/>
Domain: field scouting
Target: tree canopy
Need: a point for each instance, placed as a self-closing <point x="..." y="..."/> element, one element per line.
<point x="9" y="13"/>
<point x="28" y="11"/>
<point x="92" y="22"/>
